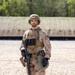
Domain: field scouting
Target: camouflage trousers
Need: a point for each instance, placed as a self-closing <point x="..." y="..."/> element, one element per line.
<point x="35" y="68"/>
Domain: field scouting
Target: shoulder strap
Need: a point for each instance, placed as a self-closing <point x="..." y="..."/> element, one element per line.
<point x="38" y="30"/>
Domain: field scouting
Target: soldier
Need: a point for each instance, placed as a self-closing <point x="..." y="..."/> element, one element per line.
<point x="39" y="56"/>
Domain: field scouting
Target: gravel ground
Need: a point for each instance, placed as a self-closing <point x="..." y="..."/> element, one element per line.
<point x="62" y="61"/>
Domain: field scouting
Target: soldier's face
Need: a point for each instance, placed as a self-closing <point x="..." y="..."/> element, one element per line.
<point x="34" y="22"/>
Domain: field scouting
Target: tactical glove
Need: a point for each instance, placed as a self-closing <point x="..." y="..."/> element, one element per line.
<point x="45" y="61"/>
<point x="23" y="52"/>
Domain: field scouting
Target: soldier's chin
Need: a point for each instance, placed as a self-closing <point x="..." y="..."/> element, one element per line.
<point x="34" y="25"/>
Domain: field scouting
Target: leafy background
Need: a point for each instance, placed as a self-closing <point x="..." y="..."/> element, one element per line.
<point x="50" y="8"/>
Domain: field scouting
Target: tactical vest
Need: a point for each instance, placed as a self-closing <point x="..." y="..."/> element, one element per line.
<point x="34" y="34"/>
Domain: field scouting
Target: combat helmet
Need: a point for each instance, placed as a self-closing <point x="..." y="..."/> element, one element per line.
<point x="34" y="16"/>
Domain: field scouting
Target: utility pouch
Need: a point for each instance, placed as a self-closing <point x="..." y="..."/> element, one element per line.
<point x="30" y="42"/>
<point x="22" y="60"/>
<point x="41" y="53"/>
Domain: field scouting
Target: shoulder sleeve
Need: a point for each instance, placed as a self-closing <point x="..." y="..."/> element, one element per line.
<point x="47" y="43"/>
<point x="25" y="34"/>
<point x="24" y="38"/>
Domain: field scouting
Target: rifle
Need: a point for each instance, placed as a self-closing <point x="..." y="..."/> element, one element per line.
<point x="27" y="57"/>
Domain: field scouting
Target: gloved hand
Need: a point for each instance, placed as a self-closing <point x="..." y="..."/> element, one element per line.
<point x="45" y="61"/>
<point x="23" y="52"/>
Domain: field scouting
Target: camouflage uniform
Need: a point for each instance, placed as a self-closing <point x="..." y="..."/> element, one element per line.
<point x="42" y="41"/>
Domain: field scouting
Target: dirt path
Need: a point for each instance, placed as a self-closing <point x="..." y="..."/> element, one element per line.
<point x="62" y="61"/>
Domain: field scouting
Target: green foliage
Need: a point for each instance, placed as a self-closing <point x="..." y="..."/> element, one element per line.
<point x="71" y="7"/>
<point x="13" y="8"/>
<point x="41" y="7"/>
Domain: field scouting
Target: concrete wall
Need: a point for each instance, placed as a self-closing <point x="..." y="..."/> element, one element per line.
<point x="54" y="26"/>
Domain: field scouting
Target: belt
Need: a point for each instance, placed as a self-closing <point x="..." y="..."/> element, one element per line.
<point x="35" y="55"/>
<point x="32" y="55"/>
